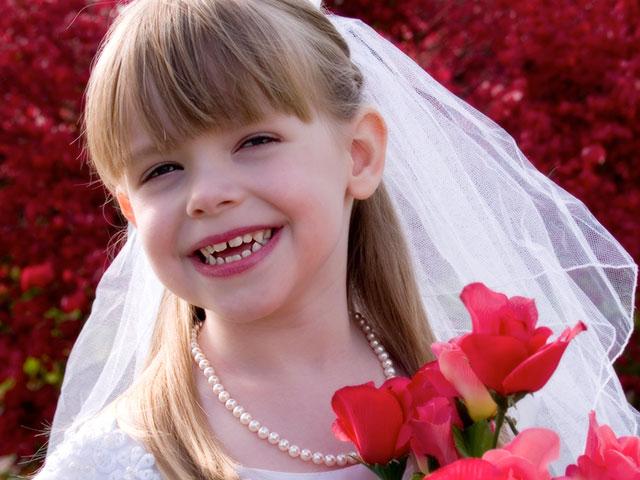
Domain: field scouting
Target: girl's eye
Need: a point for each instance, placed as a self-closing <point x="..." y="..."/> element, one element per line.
<point x="258" y="140"/>
<point x="161" y="170"/>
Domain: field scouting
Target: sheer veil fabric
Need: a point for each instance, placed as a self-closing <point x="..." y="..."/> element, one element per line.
<point x="473" y="208"/>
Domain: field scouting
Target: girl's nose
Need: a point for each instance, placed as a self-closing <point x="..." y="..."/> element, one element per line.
<point x="211" y="197"/>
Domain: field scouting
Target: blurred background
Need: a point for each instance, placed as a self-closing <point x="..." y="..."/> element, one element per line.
<point x="562" y="77"/>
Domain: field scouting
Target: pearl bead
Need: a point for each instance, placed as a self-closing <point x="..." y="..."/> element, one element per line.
<point x="329" y="460"/>
<point x="274" y="438"/>
<point x="195" y="351"/>
<point x="371" y="336"/>
<point x="357" y="315"/>
<point x="366" y="329"/>
<point x="204" y="363"/>
<point x="379" y="349"/>
<point x="208" y="372"/>
<point x="387" y="363"/>
<point x="352" y="458"/>
<point x="317" y="458"/>
<point x="390" y="372"/>
<point x="199" y="356"/>
<point x="283" y="444"/>
<point x="217" y="388"/>
<point x="254" y="425"/>
<point x="383" y="356"/>
<point x="237" y="411"/>
<point x="213" y="380"/>
<point x="223" y="396"/>
<point x="263" y="432"/>
<point x="294" y="451"/>
<point x="230" y="404"/>
<point x="341" y="460"/>
<point x="305" y="455"/>
<point x="374" y="343"/>
<point x="245" y="418"/>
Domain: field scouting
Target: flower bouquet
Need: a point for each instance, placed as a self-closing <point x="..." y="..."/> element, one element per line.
<point x="452" y="416"/>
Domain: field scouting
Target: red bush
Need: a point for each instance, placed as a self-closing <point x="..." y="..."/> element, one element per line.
<point x="561" y="77"/>
<point x="53" y="229"/>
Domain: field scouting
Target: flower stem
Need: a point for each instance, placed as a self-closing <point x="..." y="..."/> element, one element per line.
<point x="499" y="421"/>
<point x="512" y="424"/>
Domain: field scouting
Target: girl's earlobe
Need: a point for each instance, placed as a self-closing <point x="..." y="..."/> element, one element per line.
<point x="125" y="206"/>
<point x="368" y="153"/>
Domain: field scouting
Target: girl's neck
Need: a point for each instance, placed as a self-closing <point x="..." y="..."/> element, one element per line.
<point x="297" y="342"/>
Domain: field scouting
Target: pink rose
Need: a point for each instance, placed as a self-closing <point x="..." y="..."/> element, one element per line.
<point x="526" y="457"/>
<point x="606" y="456"/>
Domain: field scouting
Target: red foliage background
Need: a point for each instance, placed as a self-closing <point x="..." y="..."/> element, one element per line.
<point x="563" y="78"/>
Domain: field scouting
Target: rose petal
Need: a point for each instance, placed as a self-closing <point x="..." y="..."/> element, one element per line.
<point x="493" y="357"/>
<point x="483" y="304"/>
<point x="455" y="367"/>
<point x="371" y="418"/>
<point x="533" y="373"/>
<point x="466" y="469"/>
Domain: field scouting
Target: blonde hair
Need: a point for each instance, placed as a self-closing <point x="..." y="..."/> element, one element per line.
<point x="183" y="67"/>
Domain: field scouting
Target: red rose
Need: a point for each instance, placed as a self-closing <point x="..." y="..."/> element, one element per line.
<point x="373" y="419"/>
<point x="506" y="350"/>
<point x="36" y="276"/>
<point x="431" y="432"/>
<point x="606" y="456"/>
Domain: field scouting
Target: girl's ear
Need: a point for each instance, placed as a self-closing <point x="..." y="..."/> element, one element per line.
<point x="368" y="151"/>
<point x="125" y="205"/>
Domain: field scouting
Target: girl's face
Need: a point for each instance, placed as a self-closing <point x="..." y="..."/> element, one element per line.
<point x="281" y="174"/>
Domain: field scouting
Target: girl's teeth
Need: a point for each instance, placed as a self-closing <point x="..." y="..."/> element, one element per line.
<point x="232" y="258"/>
<point x="235" y="242"/>
<point x="260" y="238"/>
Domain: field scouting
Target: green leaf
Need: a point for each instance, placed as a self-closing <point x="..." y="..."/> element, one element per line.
<point x="417" y="476"/>
<point x="31" y="366"/>
<point x="14" y="274"/>
<point x="479" y="438"/>
<point x="394" y="470"/>
<point x="5" y="386"/>
<point x="30" y="294"/>
<point x="473" y="441"/>
<point x="52" y="378"/>
<point x="459" y="440"/>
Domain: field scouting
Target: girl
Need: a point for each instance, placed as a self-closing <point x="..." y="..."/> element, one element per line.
<point x="300" y="194"/>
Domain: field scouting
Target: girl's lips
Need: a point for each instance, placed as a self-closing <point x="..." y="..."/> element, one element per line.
<point x="239" y="266"/>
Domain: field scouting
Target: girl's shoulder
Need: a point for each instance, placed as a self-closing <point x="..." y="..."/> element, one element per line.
<point x="99" y="450"/>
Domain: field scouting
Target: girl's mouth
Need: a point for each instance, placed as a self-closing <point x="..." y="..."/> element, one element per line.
<point x="234" y="250"/>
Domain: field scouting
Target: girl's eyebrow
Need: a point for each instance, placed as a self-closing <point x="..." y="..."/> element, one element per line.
<point x="147" y="151"/>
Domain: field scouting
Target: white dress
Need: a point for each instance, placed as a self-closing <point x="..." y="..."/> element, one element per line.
<point x="99" y="450"/>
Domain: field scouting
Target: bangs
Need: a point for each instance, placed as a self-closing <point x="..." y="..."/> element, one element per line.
<point x="177" y="69"/>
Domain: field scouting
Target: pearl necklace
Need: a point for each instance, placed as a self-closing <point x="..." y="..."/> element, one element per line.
<point x="264" y="433"/>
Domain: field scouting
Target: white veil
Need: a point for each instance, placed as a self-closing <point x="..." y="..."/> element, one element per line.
<point x="473" y="208"/>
